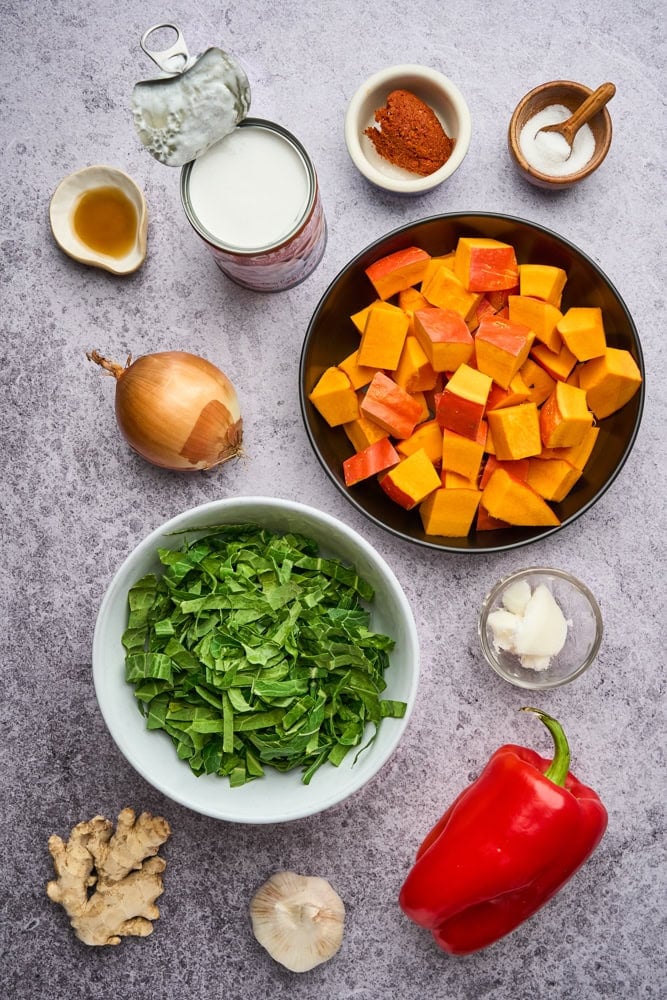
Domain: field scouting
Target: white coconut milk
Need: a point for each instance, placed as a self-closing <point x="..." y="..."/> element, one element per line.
<point x="250" y="190"/>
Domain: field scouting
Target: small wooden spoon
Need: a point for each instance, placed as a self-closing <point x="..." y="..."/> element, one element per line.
<point x="569" y="128"/>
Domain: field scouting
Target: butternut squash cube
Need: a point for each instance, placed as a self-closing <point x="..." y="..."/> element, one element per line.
<point x="540" y="317"/>
<point x="362" y="432"/>
<point x="359" y="318"/>
<point x="397" y="271"/>
<point x="539" y="382"/>
<point x="582" y="331"/>
<point x="462" y="454"/>
<point x="565" y="418"/>
<point x="334" y="398"/>
<point x="461" y="405"/>
<point x="414" y="372"/>
<point x="484" y="265"/>
<point x="542" y="281"/>
<point x="372" y="460"/>
<point x="552" y="479"/>
<point x="609" y="381"/>
<point x="442" y="288"/>
<point x="501" y="347"/>
<point x="427" y="436"/>
<point x="511" y="500"/>
<point x="444" y="337"/>
<point x="516" y="432"/>
<point x="359" y="375"/>
<point x="383" y="337"/>
<point x="559" y="365"/>
<point x="410" y="482"/>
<point x="578" y="454"/>
<point x="518" y="392"/>
<point x="390" y="406"/>
<point x="449" y="512"/>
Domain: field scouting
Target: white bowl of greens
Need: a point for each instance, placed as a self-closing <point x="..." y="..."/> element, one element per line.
<point x="255" y="660"/>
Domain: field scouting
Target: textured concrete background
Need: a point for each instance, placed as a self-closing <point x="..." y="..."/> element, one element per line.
<point x="75" y="500"/>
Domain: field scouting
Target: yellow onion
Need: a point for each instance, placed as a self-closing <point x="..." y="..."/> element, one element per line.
<point x="176" y="410"/>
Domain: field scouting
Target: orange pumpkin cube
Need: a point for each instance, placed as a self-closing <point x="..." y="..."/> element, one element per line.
<point x="552" y="479"/>
<point x="518" y="392"/>
<point x="516" y="432"/>
<point x="461" y="405"/>
<point x="414" y="372"/>
<point x="455" y="481"/>
<point x="518" y="469"/>
<point x="582" y="331"/>
<point x="362" y="432"/>
<point x="484" y="265"/>
<point x="442" y="288"/>
<point x="397" y="271"/>
<point x="449" y="512"/>
<point x="359" y="375"/>
<point x="334" y="397"/>
<point x="559" y="365"/>
<point x="359" y="318"/>
<point x="410" y="299"/>
<point x="541" y="317"/>
<point x="578" y="454"/>
<point x="565" y="418"/>
<point x="444" y="337"/>
<point x="609" y="381"/>
<point x="410" y="482"/>
<point x="539" y="382"/>
<point x="376" y="458"/>
<point x="390" y="406"/>
<point x="427" y="436"/>
<point x="501" y="347"/>
<point x="383" y="337"/>
<point x="511" y="500"/>
<point x="542" y="281"/>
<point x="461" y="454"/>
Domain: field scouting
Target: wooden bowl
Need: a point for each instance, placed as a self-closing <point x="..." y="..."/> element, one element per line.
<point x="570" y="95"/>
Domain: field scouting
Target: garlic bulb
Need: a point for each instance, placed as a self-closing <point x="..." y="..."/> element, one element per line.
<point x="298" y="919"/>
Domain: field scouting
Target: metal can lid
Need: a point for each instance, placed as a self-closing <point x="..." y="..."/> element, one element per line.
<point x="192" y="104"/>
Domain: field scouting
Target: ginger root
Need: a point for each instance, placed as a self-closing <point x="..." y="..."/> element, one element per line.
<point x="126" y="885"/>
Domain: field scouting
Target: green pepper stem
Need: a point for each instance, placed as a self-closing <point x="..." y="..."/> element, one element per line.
<point x="560" y="765"/>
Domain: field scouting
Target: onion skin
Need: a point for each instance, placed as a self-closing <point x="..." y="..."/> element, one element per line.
<point x="176" y="410"/>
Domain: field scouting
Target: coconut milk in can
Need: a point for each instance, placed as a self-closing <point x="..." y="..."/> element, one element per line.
<point x="254" y="199"/>
<point x="248" y="186"/>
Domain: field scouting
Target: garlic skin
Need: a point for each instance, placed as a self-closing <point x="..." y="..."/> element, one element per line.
<point x="534" y="629"/>
<point x="298" y="919"/>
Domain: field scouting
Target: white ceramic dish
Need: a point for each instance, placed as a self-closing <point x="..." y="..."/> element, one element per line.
<point x="63" y="205"/>
<point x="277" y="797"/>
<point x="432" y="87"/>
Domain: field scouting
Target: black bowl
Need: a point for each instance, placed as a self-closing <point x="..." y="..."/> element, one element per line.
<point x="331" y="336"/>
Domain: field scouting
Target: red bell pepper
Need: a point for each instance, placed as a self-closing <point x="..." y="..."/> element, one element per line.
<point x="505" y="846"/>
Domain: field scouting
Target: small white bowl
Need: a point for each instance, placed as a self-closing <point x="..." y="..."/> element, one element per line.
<point x="584" y="632"/>
<point x="441" y="95"/>
<point x="277" y="796"/>
<point x="63" y="205"/>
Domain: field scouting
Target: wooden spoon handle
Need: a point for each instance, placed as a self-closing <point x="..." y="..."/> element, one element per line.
<point x="585" y="111"/>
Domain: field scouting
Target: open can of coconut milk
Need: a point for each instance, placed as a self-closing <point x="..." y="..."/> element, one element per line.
<point x="248" y="186"/>
<point x="254" y="199"/>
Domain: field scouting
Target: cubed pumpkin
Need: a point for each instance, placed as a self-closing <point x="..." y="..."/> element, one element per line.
<point x="518" y="469"/>
<point x="541" y="317"/>
<point x="460" y="407"/>
<point x="552" y="479"/>
<point x="427" y="436"/>
<point x="334" y="397"/>
<point x="414" y="371"/>
<point x="444" y="337"/>
<point x="518" y="392"/>
<point x="410" y="482"/>
<point x="449" y="512"/>
<point x="359" y="375"/>
<point x="565" y="418"/>
<point x="397" y="271"/>
<point x="462" y="454"/>
<point x="442" y="288"/>
<point x="501" y="347"/>
<point x="578" y="454"/>
<point x="609" y="381"/>
<point x="582" y="330"/>
<point x="484" y="265"/>
<point x="390" y="406"/>
<point x="516" y="431"/>
<point x="383" y="337"/>
<point x="370" y="461"/>
<point x="512" y="500"/>
<point x="558" y="364"/>
<point x="542" y="281"/>
<point x="539" y="382"/>
<point x="362" y="432"/>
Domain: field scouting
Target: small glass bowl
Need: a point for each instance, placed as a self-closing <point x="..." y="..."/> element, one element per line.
<point x="584" y="632"/>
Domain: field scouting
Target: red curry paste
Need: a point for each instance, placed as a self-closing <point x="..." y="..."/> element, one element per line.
<point x="410" y="135"/>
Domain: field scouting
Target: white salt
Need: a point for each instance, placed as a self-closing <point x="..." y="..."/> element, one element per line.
<point x="548" y="151"/>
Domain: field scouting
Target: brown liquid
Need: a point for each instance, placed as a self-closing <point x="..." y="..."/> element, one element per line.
<point x="106" y="221"/>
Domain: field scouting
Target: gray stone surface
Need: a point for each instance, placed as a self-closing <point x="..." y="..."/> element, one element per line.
<point x="75" y="500"/>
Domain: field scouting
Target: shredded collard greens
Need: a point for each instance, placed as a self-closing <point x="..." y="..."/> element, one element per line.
<point x="251" y="650"/>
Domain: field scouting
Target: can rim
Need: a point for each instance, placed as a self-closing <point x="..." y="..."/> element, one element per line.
<point x="219" y="244"/>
